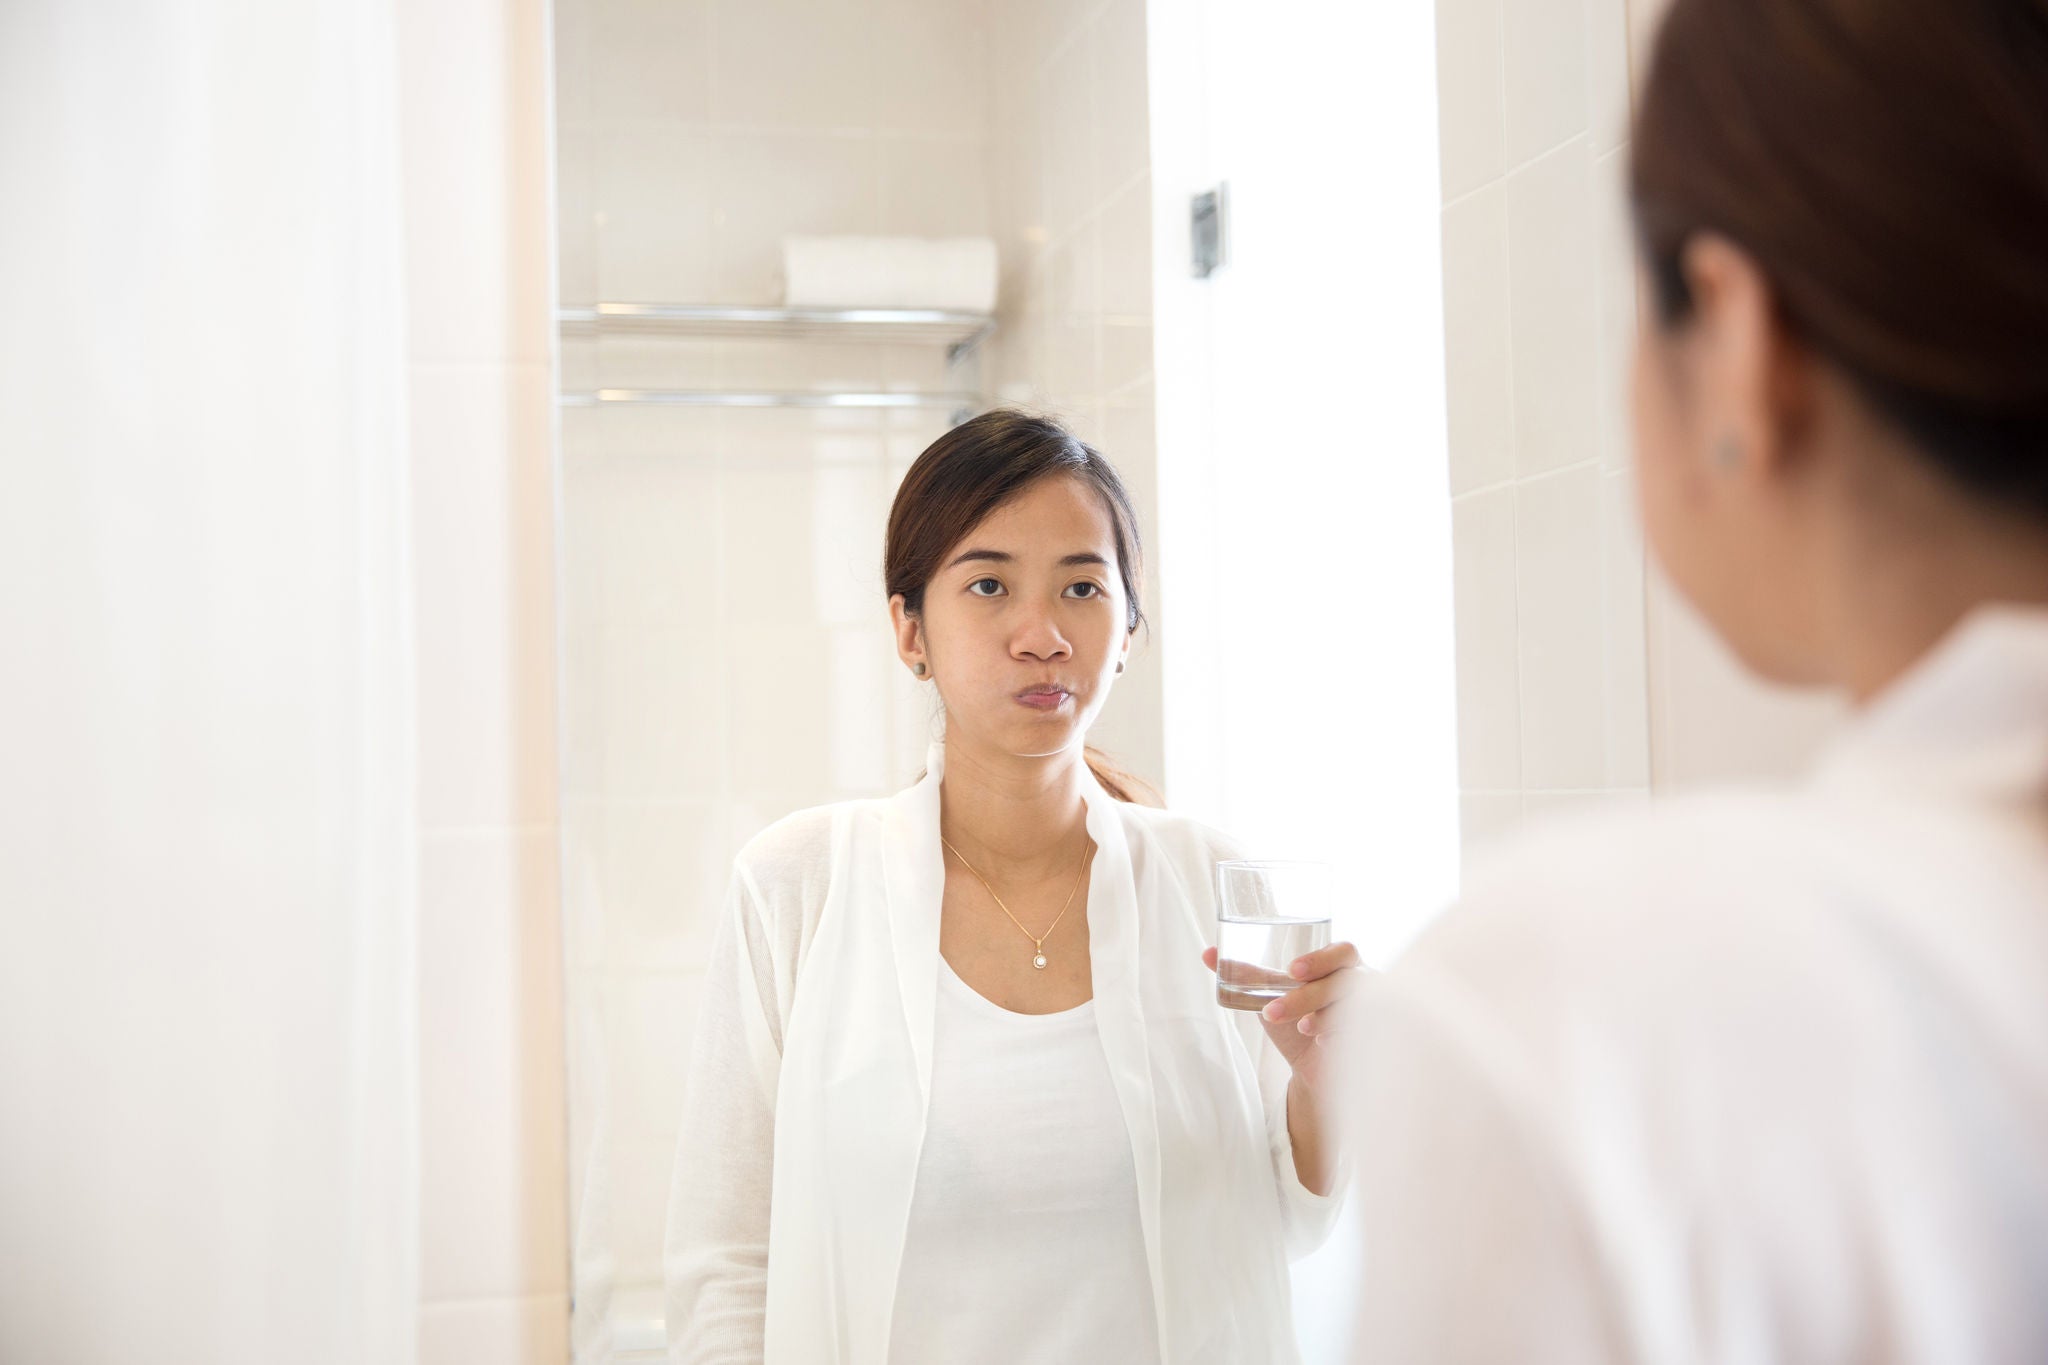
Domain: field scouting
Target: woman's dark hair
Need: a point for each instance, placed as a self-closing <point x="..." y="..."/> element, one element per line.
<point x="971" y="471"/>
<point x="1886" y="164"/>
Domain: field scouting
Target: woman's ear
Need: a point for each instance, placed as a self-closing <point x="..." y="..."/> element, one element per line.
<point x="1752" y="380"/>
<point x="909" y="636"/>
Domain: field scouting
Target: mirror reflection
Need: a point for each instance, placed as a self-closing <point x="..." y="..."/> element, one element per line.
<point x="970" y="541"/>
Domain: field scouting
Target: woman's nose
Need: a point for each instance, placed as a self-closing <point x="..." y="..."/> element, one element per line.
<point x="1039" y="637"/>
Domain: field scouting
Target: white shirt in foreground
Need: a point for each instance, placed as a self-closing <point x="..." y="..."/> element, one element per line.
<point x="1024" y="1244"/>
<point x="1757" y="1077"/>
<point x="811" y="1077"/>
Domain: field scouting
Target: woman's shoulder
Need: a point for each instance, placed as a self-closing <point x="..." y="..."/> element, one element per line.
<point x="1649" y="901"/>
<point x="1590" y="866"/>
<point x="796" y="851"/>
<point x="1636" y="838"/>
<point x="1179" y="837"/>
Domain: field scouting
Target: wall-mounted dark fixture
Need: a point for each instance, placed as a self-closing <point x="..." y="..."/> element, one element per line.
<point x="1207" y="216"/>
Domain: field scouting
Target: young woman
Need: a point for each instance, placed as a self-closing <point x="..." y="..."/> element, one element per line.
<point x="1763" y="1076"/>
<point x="962" y="1091"/>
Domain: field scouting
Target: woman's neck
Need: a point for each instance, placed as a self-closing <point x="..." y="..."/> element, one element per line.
<point x="1917" y="557"/>
<point x="1018" y="820"/>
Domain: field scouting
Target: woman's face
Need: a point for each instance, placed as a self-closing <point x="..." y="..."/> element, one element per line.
<point x="1023" y="625"/>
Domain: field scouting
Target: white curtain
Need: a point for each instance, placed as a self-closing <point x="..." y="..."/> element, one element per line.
<point x="207" y="1033"/>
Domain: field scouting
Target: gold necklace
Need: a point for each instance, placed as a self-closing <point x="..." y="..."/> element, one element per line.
<point x="1037" y="940"/>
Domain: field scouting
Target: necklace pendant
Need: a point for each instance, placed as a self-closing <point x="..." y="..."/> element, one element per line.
<point x="1039" y="961"/>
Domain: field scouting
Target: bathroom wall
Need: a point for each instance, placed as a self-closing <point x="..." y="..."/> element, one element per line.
<point x="1071" y="199"/>
<point x="1582" y="679"/>
<point x="1538" y="306"/>
<point x="494" y="1257"/>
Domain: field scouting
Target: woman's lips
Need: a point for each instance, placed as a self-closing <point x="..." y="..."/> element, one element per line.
<point x="1043" y="701"/>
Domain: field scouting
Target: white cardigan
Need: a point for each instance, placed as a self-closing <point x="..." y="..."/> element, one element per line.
<point x="1754" y="1076"/>
<point x="808" y="1084"/>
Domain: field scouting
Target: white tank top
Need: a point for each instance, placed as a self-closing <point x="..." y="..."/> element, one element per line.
<point x="1023" y="1243"/>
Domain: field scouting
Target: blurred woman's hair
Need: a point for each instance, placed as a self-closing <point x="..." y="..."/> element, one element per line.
<point x="1885" y="162"/>
<point x="971" y="471"/>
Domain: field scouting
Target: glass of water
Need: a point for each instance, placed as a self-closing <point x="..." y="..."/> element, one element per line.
<point x="1269" y="913"/>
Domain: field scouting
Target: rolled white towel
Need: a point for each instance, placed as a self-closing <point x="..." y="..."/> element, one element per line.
<point x="957" y="274"/>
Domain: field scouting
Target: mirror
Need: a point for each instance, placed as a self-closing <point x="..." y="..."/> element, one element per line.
<point x="1370" y="406"/>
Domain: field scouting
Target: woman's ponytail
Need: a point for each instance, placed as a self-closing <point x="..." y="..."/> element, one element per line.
<point x="1123" y="785"/>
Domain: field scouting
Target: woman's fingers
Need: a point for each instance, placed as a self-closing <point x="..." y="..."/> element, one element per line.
<point x="1324" y="979"/>
<point x="1310" y="966"/>
<point x="1304" y="999"/>
<point x="1312" y="1001"/>
<point x="1329" y="1019"/>
<point x="1245" y="975"/>
<point x="1323" y="961"/>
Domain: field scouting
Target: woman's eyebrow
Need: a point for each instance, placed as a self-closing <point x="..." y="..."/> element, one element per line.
<point x="1004" y="557"/>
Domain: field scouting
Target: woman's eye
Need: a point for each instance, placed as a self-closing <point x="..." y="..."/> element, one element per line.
<point x="1093" y="590"/>
<point x="980" y="583"/>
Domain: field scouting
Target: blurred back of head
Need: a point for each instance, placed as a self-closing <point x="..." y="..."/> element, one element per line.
<point x="1885" y="162"/>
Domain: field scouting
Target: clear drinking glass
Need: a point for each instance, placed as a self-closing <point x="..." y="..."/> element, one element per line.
<point x="1269" y="913"/>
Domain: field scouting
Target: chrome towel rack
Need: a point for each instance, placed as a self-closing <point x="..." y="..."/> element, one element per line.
<point x="727" y="398"/>
<point x="959" y="333"/>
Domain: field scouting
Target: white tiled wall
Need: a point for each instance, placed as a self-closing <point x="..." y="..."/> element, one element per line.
<point x="1073" y="213"/>
<point x="1582" y="678"/>
<point x="1538" y="300"/>
<point x="494" y="1264"/>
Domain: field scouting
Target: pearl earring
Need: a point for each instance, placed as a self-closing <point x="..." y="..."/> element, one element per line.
<point x="917" y="668"/>
<point x="1119" y="665"/>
